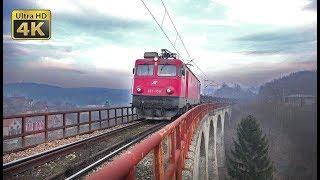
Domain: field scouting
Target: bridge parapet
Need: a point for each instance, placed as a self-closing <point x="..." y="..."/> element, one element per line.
<point x="182" y="138"/>
<point x="36" y="128"/>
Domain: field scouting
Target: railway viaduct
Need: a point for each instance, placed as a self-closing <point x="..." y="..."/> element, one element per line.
<point x="206" y="155"/>
<point x="194" y="148"/>
<point x="191" y="147"/>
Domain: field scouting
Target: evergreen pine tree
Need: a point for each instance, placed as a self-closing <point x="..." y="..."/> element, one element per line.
<point x="250" y="160"/>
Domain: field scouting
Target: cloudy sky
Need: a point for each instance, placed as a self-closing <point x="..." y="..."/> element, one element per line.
<point x="95" y="43"/>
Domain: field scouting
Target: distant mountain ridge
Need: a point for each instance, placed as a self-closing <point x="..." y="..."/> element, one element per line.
<point x="78" y="96"/>
<point x="233" y="92"/>
<point x="301" y="82"/>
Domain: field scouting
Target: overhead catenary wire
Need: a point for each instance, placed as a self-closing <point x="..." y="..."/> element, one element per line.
<point x="177" y="34"/>
<point x="167" y="12"/>
<point x="161" y="29"/>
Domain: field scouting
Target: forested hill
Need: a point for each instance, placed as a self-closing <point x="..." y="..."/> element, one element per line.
<point x="77" y="96"/>
<point x="301" y="82"/>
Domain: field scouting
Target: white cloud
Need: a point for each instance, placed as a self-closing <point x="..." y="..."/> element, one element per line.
<point x="207" y="22"/>
<point x="92" y="53"/>
<point x="272" y="12"/>
<point x="53" y="42"/>
<point x="257" y="73"/>
<point x="59" y="6"/>
<point x="110" y="57"/>
<point x="196" y="41"/>
<point x="49" y="62"/>
<point x="216" y="61"/>
<point x="131" y="10"/>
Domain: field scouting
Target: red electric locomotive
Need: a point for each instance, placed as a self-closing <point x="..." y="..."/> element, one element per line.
<point x="163" y="86"/>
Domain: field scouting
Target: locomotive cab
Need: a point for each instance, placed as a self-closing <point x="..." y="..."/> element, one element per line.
<point x="159" y="87"/>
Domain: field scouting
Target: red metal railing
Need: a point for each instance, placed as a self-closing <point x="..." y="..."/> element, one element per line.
<point x="179" y="132"/>
<point x="90" y="119"/>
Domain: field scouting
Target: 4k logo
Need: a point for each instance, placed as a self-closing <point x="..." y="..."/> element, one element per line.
<point x="31" y="24"/>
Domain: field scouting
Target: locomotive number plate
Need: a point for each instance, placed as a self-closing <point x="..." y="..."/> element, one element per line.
<point x="31" y="24"/>
<point x="154" y="91"/>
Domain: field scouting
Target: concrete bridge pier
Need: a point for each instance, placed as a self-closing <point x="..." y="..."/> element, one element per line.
<point x="206" y="155"/>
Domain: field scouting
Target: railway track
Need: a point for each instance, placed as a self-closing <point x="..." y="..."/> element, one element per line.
<point x="74" y="160"/>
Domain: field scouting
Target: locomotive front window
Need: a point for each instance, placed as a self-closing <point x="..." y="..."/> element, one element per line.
<point x="167" y="70"/>
<point x="145" y="70"/>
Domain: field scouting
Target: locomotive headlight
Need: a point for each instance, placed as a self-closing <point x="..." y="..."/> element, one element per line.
<point x="169" y="91"/>
<point x="139" y="90"/>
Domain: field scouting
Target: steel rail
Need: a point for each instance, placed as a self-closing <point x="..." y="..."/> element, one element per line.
<point x="23" y="164"/>
<point x="115" y="150"/>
